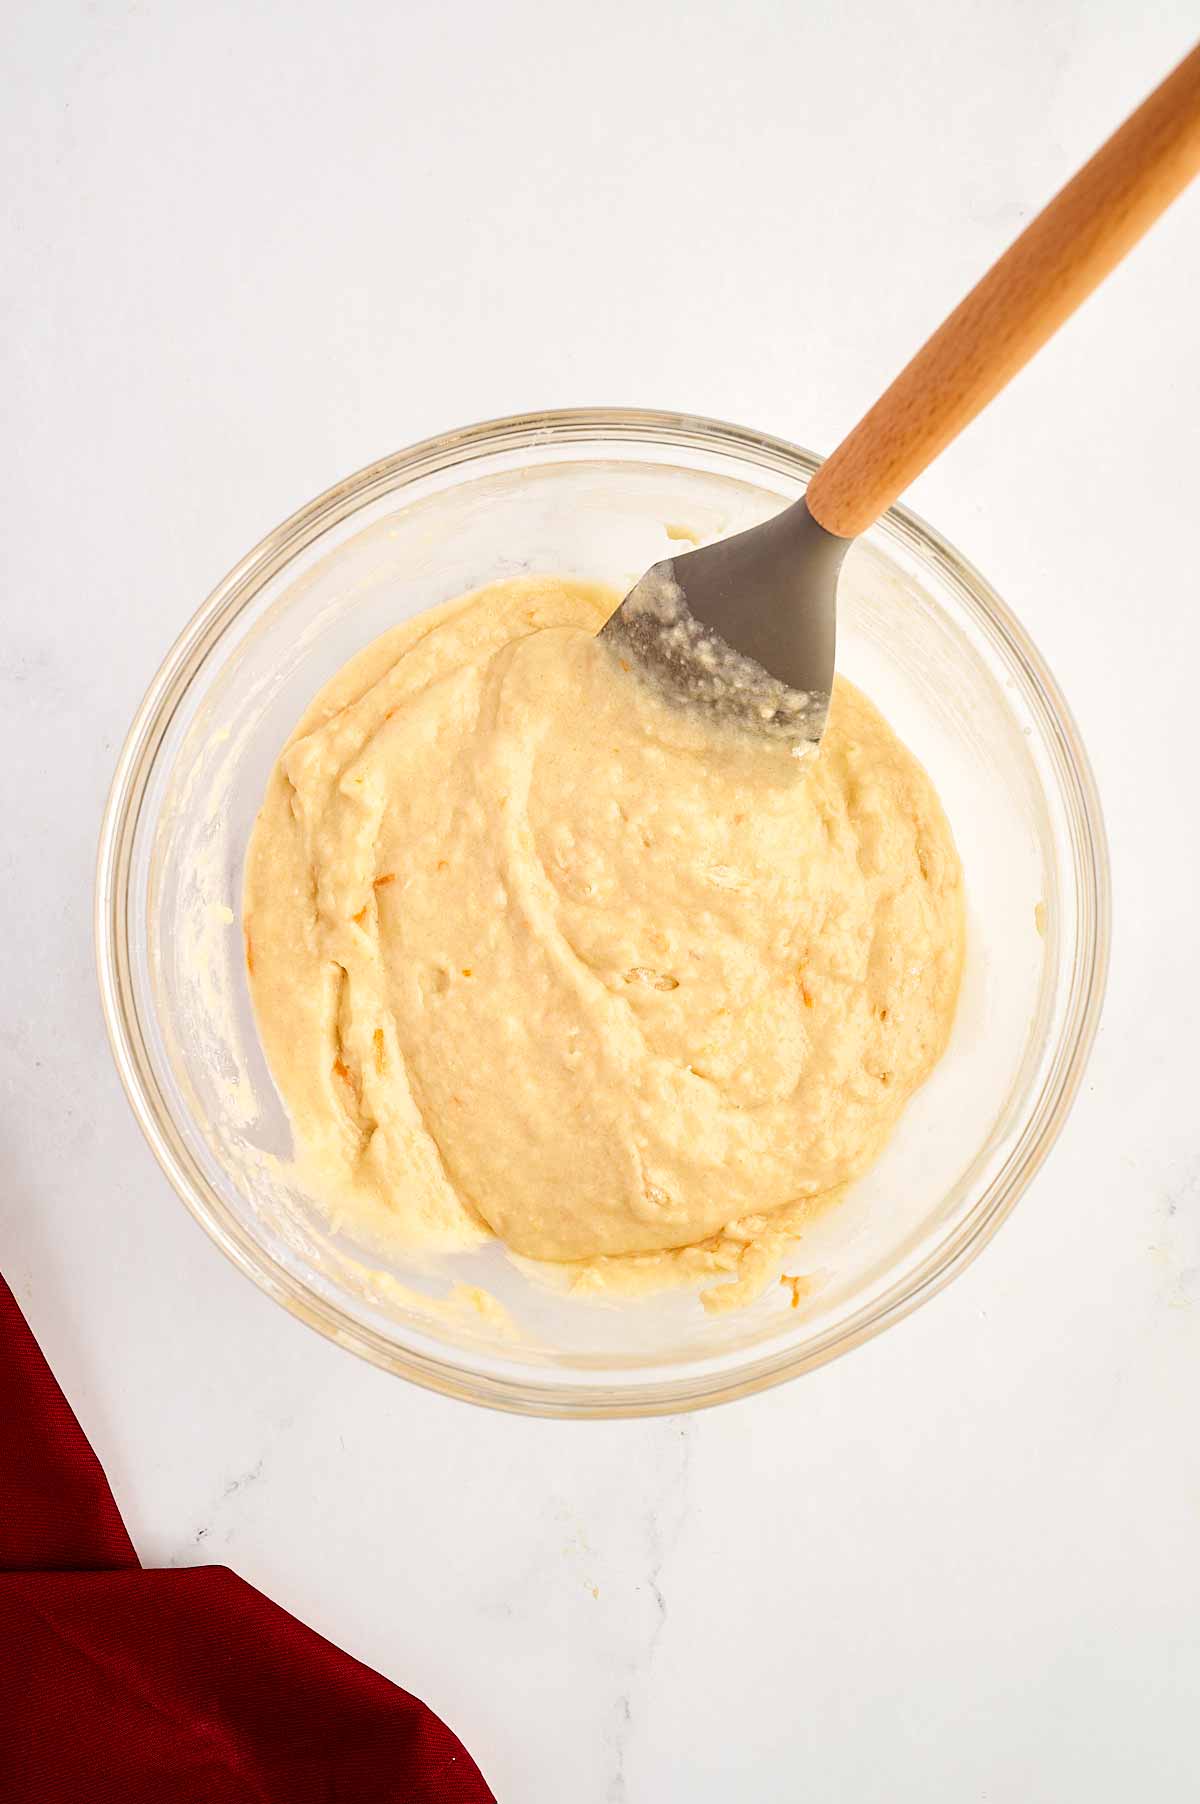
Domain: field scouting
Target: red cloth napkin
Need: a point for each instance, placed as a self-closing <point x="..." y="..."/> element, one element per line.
<point x="121" y="1686"/>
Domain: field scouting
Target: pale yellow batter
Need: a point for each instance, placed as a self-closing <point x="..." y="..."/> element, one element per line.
<point x="535" y="952"/>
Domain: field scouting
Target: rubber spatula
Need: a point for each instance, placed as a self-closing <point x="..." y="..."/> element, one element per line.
<point x="745" y="628"/>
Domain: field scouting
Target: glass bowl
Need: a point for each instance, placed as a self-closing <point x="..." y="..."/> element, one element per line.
<point x="599" y="493"/>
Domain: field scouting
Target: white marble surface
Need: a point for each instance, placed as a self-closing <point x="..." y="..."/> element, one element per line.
<point x="250" y="248"/>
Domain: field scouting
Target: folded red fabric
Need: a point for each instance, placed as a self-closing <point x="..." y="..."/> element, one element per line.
<point x="125" y="1686"/>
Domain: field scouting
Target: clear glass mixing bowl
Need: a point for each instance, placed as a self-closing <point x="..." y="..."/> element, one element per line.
<point x="593" y="493"/>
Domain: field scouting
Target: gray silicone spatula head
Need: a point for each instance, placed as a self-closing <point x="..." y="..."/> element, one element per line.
<point x="745" y="628"/>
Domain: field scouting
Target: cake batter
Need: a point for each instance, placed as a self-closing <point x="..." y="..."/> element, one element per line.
<point x="535" y="953"/>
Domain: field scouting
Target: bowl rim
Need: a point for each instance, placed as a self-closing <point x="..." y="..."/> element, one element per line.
<point x="589" y="1399"/>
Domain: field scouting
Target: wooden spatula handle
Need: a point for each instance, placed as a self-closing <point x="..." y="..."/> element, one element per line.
<point x="1024" y="298"/>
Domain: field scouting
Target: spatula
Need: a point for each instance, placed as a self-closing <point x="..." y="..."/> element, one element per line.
<point x="746" y="628"/>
